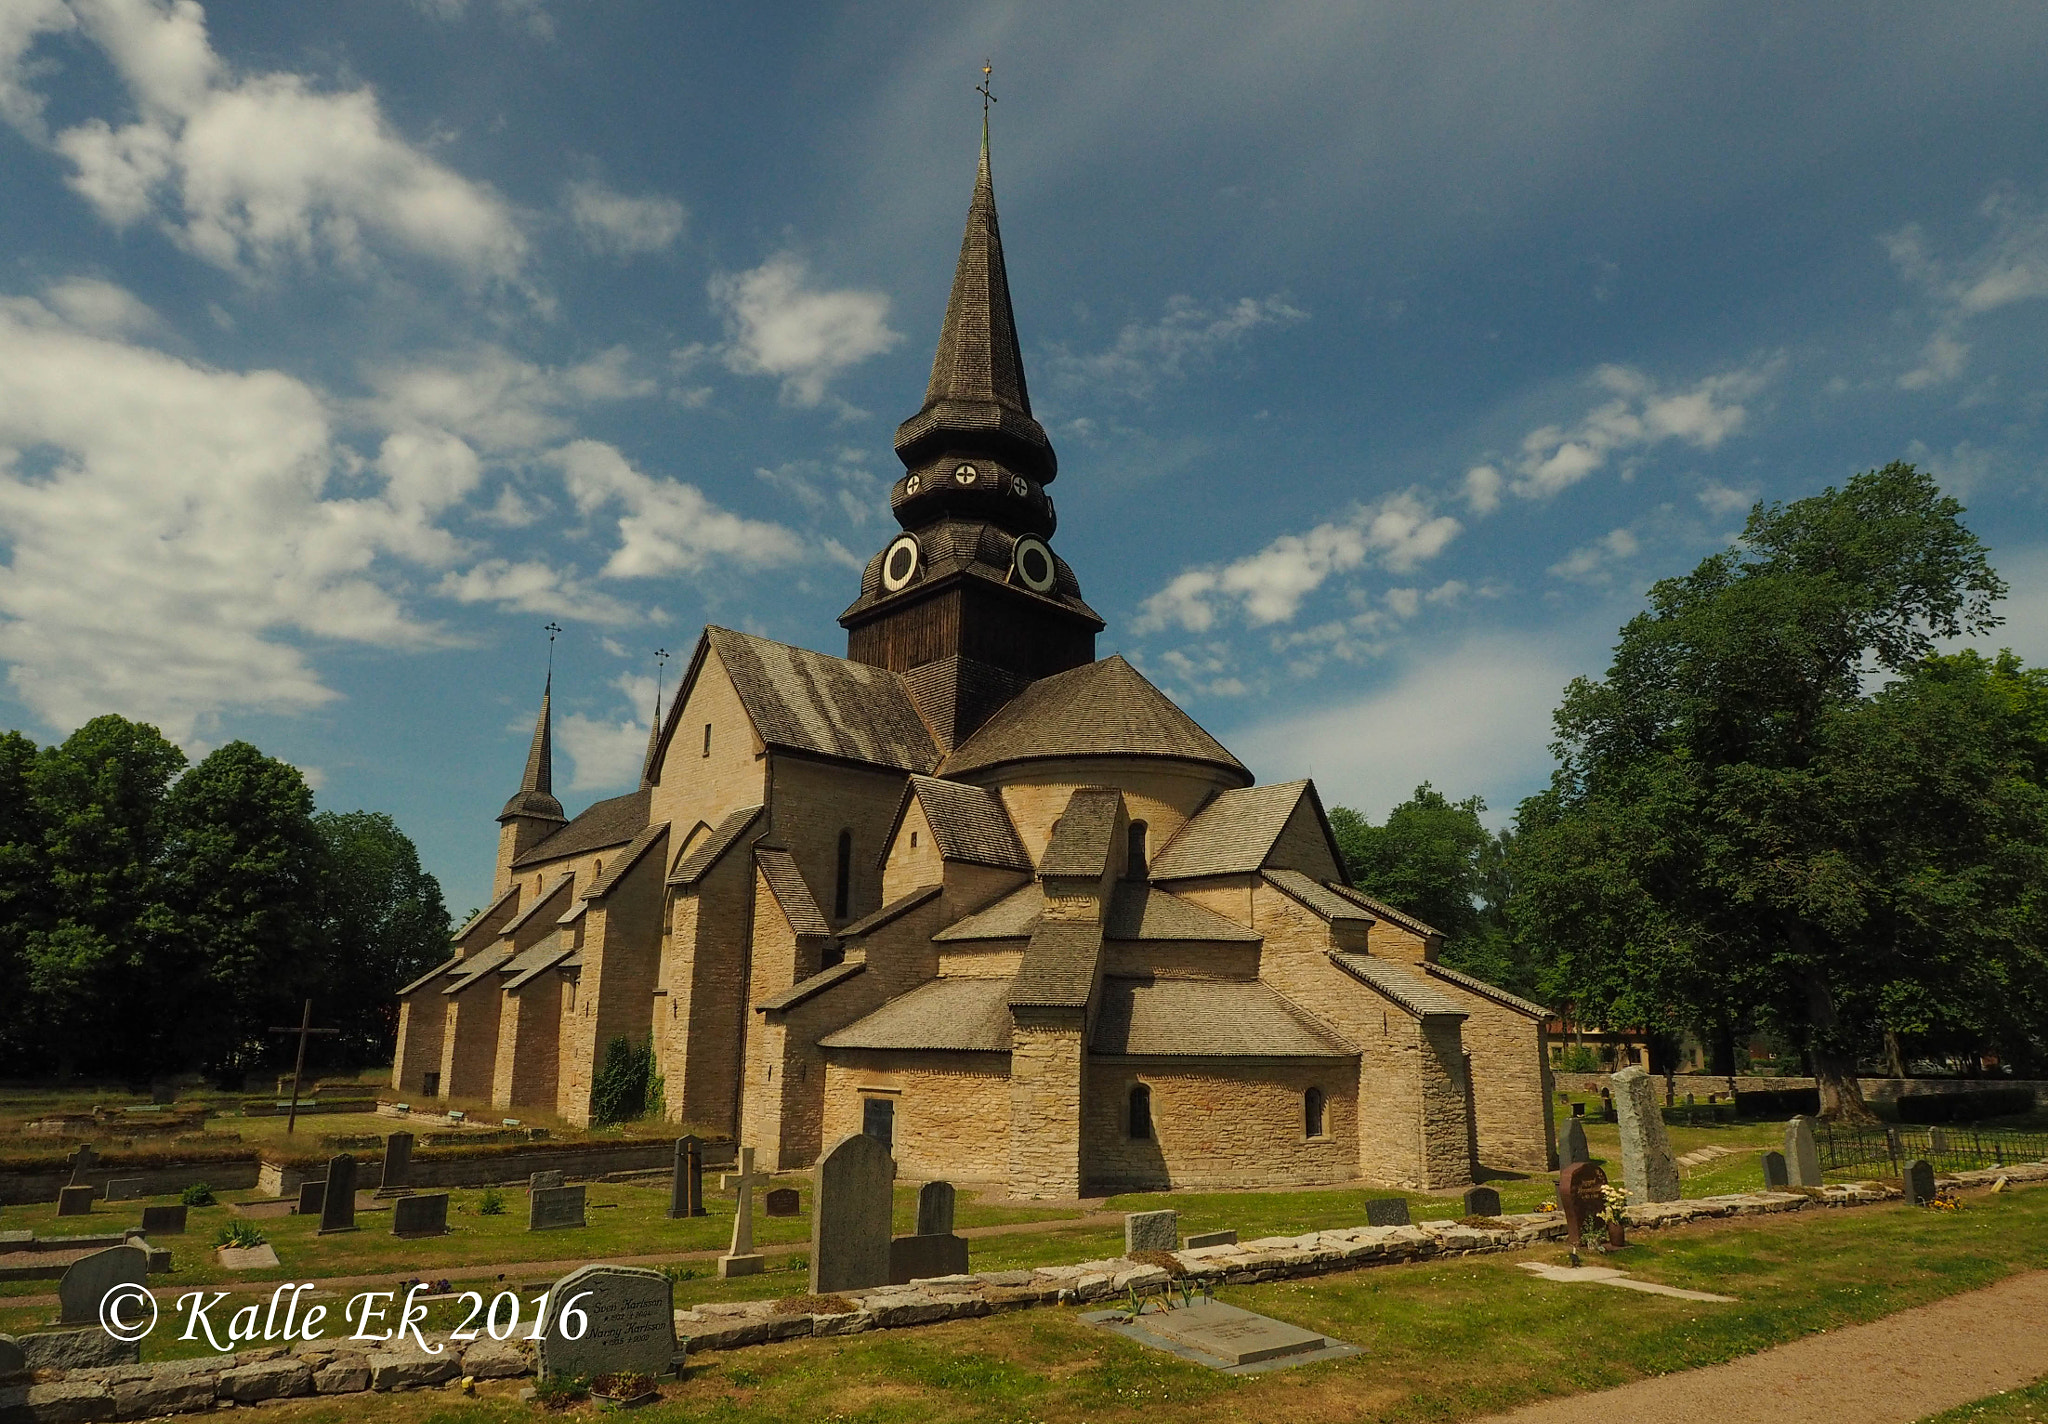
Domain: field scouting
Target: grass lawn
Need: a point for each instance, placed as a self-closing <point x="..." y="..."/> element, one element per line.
<point x="2015" y="1406"/>
<point x="1443" y="1340"/>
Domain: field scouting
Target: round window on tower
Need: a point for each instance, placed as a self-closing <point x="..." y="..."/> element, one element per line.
<point x="899" y="565"/>
<point x="910" y="485"/>
<point x="965" y="474"/>
<point x="1033" y="563"/>
<point x="1020" y="487"/>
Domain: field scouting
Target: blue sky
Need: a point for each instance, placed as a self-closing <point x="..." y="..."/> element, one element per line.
<point x="1390" y="350"/>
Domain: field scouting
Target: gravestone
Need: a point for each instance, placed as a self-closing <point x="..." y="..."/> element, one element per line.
<point x="1572" y="1148"/>
<point x="1236" y="1337"/>
<point x="312" y="1199"/>
<point x="12" y="1360"/>
<point x="164" y="1220"/>
<point x="627" y="1322"/>
<point x="1775" y="1175"/>
<point x="1581" y="1198"/>
<point x="1802" y="1157"/>
<point x="1578" y="1109"/>
<point x="742" y="1259"/>
<point x="75" y="1201"/>
<point x="82" y="1162"/>
<point x="338" y="1202"/>
<point x="1648" y="1170"/>
<point x="553" y="1208"/>
<point x="783" y="1201"/>
<point x="850" y="1210"/>
<point x="87" y="1280"/>
<point x="1209" y="1238"/>
<point x="1919" y="1183"/>
<point x="420" y="1215"/>
<point x="1151" y="1231"/>
<point x="542" y="1181"/>
<point x="1482" y="1201"/>
<point x="686" y="1188"/>
<point x="1937" y="1142"/>
<point x="935" y="1209"/>
<point x="1607" y="1104"/>
<point x="1386" y="1211"/>
<point x="919" y="1258"/>
<point x="125" y="1188"/>
<point x="397" y="1163"/>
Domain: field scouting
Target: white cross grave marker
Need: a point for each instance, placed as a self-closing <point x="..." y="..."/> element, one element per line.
<point x="743" y="1259"/>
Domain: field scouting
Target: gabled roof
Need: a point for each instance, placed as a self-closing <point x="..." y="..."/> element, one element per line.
<point x="477" y="966"/>
<point x="1316" y="897"/>
<point x="1233" y="834"/>
<point x="1485" y="990"/>
<point x="557" y="886"/>
<point x="1082" y="838"/>
<point x="1400" y="984"/>
<point x="1208" y="1018"/>
<point x="511" y="892"/>
<point x="812" y="987"/>
<point x="807" y="702"/>
<point x="1145" y="912"/>
<point x="1381" y="910"/>
<point x="431" y="975"/>
<point x="786" y="884"/>
<point x="707" y="852"/>
<point x="895" y="909"/>
<point x="1014" y="916"/>
<point x="626" y="859"/>
<point x="959" y="1015"/>
<point x="968" y="822"/>
<point x="1058" y="971"/>
<point x="1104" y="708"/>
<point x="604" y="823"/>
<point x="538" y="959"/>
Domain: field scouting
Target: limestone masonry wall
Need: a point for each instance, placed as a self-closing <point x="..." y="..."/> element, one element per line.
<point x="1046" y="1085"/>
<point x="952" y="1115"/>
<point x="1510" y="1081"/>
<point x="1233" y="1124"/>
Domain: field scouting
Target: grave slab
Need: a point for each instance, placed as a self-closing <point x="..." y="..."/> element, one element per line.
<point x="1210" y="1238"/>
<point x="1775" y="1174"/>
<point x="1223" y="1337"/>
<point x="1571" y="1146"/>
<point x="1919" y="1183"/>
<point x="1802" y="1155"/>
<point x="164" y="1220"/>
<point x="922" y="1257"/>
<point x="312" y="1199"/>
<point x="1608" y="1276"/>
<point x="686" y="1187"/>
<point x="338" y="1202"/>
<point x="89" y="1278"/>
<point x="420" y="1215"/>
<point x="247" y="1258"/>
<point x="1386" y="1211"/>
<point x="1482" y="1201"/>
<point x="783" y="1201"/>
<point x="1648" y="1170"/>
<point x="850" y="1210"/>
<point x="935" y="1209"/>
<point x="553" y="1208"/>
<point x="74" y="1201"/>
<point x="125" y="1188"/>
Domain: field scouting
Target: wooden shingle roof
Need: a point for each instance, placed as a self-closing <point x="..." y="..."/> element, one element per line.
<point x="808" y="702"/>
<point x="1208" y="1018"/>
<point x="555" y="887"/>
<point x="709" y="851"/>
<point x="969" y="823"/>
<point x="960" y="1015"/>
<point x="537" y="960"/>
<point x="1082" y="838"/>
<point x="1014" y="916"/>
<point x="1317" y="897"/>
<point x="1058" y="971"/>
<point x="615" y="870"/>
<point x="1401" y="984"/>
<point x="1232" y="835"/>
<point x="1381" y="910"/>
<point x="894" y="910"/>
<point x="1145" y="912"/>
<point x="812" y="987"/>
<point x="786" y="884"/>
<point x="1104" y="708"/>
<point x="603" y="823"/>
<point x="1488" y="991"/>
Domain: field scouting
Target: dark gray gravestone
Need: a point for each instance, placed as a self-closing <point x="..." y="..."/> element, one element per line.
<point x="1802" y="1156"/>
<point x="1648" y="1169"/>
<point x="553" y="1208"/>
<point x="75" y="1201"/>
<point x="83" y="1161"/>
<point x="783" y="1201"/>
<point x="605" y="1320"/>
<point x="935" y="1209"/>
<point x="338" y="1202"/>
<point x="312" y="1199"/>
<point x="1482" y="1201"/>
<point x="125" y="1188"/>
<point x="1775" y="1175"/>
<point x="88" y="1279"/>
<point x="1151" y="1231"/>
<point x="1919" y="1181"/>
<point x="397" y="1162"/>
<point x="420" y="1215"/>
<point x="540" y="1180"/>
<point x="686" y="1190"/>
<point x="164" y="1220"/>
<point x="1572" y="1147"/>
<point x="1578" y="1109"/>
<point x="850" y="1211"/>
<point x="1386" y="1211"/>
<point x="1210" y="1238"/>
<point x="919" y="1258"/>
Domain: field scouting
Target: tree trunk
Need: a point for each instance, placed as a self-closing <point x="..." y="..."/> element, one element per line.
<point x="1894" y="1059"/>
<point x="1834" y="1072"/>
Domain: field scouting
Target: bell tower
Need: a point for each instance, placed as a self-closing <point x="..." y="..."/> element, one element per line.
<point x="969" y="602"/>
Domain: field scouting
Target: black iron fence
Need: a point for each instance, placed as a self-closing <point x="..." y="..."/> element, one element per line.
<point x="1944" y="1149"/>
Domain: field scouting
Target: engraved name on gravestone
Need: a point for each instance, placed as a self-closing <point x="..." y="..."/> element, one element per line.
<point x="686" y="1187"/>
<point x="1802" y="1155"/>
<point x="627" y="1322"/>
<point x="338" y="1205"/>
<point x="1386" y="1211"/>
<point x="850" y="1211"/>
<point x="554" y="1208"/>
<point x="1581" y="1198"/>
<point x="1774" y="1171"/>
<point x="1151" y="1231"/>
<point x="164" y="1220"/>
<point x="87" y="1280"/>
<point x="1649" y="1171"/>
<point x="1572" y="1146"/>
<point x="1482" y="1201"/>
<point x="420" y="1215"/>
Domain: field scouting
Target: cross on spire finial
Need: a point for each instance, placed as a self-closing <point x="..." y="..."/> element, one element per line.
<point x="987" y="69"/>
<point x="551" y="628"/>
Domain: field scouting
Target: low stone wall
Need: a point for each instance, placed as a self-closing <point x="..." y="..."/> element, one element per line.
<point x="1875" y="1090"/>
<point x="22" y="1188"/>
<point x="578" y="1162"/>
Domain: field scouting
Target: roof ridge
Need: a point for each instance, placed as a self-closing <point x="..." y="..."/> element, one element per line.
<point x="1383" y="909"/>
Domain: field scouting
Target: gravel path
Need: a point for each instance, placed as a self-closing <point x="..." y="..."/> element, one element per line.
<point x="1891" y="1371"/>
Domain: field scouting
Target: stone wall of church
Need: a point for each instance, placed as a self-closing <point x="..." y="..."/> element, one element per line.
<point x="1222" y="1125"/>
<point x="422" y="1015"/>
<point x="469" y="1040"/>
<point x="1446" y="1121"/>
<point x="529" y="1041"/>
<point x="705" y="778"/>
<point x="1047" y="1080"/>
<point x="1161" y="794"/>
<point x="982" y="959"/>
<point x="1391" y="941"/>
<point x="952" y="1115"/>
<point x="1510" y="1082"/>
<point x="621" y="963"/>
<point x="1301" y="845"/>
<point x="705" y="972"/>
<point x="810" y="803"/>
<point x="1180" y="959"/>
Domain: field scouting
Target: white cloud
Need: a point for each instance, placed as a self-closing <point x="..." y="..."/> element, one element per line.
<point x="494" y="400"/>
<point x="95" y="305"/>
<point x="668" y="526"/>
<point x="249" y="171"/>
<point x="532" y="586"/>
<point x="1637" y="416"/>
<point x="1147" y="354"/>
<point x="1590" y="562"/>
<point x="1482" y="489"/>
<point x="1398" y="532"/>
<point x="2011" y="265"/>
<point x="609" y="752"/>
<point x="617" y="223"/>
<point x="1719" y="499"/>
<point x="782" y="327"/>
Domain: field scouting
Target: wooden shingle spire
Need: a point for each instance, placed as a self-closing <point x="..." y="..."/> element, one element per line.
<point x="535" y="798"/>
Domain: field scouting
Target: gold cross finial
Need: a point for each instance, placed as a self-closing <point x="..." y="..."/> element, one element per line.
<point x="982" y="89"/>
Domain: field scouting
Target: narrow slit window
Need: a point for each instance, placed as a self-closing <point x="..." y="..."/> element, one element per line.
<point x="1141" y="1113"/>
<point x="1312" y="1112"/>
<point x="842" y="893"/>
<point x="1134" y="868"/>
<point x="707" y="739"/>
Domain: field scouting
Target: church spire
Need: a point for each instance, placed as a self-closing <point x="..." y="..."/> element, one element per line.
<point x="535" y="798"/>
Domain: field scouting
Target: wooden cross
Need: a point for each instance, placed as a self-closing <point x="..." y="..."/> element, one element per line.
<point x="743" y="1182"/>
<point x="305" y="1030"/>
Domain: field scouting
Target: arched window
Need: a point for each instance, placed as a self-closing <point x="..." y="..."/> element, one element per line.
<point x="1134" y="862"/>
<point x="1141" y="1113"/>
<point x="1312" y="1112"/>
<point x="842" y="894"/>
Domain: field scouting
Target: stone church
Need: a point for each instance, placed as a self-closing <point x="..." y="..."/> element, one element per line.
<point x="973" y="890"/>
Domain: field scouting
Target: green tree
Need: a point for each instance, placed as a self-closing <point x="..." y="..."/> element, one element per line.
<point x="382" y="924"/>
<point x="1733" y="830"/>
<point x="25" y="901"/>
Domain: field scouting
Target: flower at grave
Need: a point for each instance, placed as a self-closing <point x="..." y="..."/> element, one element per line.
<point x="1548" y="1206"/>
<point x="1616" y="1208"/>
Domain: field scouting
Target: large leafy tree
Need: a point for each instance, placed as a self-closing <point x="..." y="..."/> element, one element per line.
<point x="1743" y="826"/>
<point x="25" y="900"/>
<point x="382" y="920"/>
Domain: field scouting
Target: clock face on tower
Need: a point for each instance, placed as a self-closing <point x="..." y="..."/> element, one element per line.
<point x="1033" y="564"/>
<point x="899" y="564"/>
